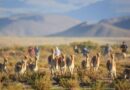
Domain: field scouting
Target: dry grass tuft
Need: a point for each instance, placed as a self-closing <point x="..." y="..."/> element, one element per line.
<point x="122" y="85"/>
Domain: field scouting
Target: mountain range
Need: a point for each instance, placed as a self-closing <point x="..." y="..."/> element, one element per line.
<point x="115" y="27"/>
<point x="35" y="25"/>
<point x="58" y="25"/>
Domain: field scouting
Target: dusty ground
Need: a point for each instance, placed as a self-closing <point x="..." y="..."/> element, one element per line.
<point x="25" y="41"/>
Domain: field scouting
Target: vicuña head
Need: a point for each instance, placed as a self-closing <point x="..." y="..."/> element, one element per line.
<point x="112" y="56"/>
<point x="5" y="59"/>
<point x="62" y="55"/>
<point x="98" y="54"/>
<point x="25" y="57"/>
<point x="87" y="56"/>
<point x="36" y="58"/>
<point x="72" y="55"/>
<point x="52" y="50"/>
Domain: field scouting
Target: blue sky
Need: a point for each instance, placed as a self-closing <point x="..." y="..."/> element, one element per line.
<point x="84" y="10"/>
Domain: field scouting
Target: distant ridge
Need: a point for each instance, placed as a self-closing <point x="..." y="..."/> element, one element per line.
<point x="115" y="27"/>
<point x="35" y="25"/>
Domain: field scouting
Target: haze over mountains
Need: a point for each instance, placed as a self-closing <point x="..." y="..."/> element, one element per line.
<point x="58" y="25"/>
<point x="35" y="25"/>
<point x="115" y="27"/>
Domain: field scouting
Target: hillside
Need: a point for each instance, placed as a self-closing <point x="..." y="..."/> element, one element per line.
<point x="121" y="22"/>
<point x="35" y="25"/>
<point x="117" y="27"/>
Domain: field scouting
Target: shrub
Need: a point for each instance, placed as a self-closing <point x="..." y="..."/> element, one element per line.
<point x="30" y="77"/>
<point x="14" y="86"/>
<point x="69" y="83"/>
<point x="11" y="86"/>
<point x="122" y="85"/>
<point x="43" y="83"/>
<point x="83" y="77"/>
<point x="98" y="86"/>
<point x="4" y="77"/>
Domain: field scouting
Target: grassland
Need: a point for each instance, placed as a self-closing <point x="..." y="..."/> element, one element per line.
<point x="16" y="47"/>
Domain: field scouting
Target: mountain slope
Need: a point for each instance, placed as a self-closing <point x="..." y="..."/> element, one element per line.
<point x="121" y="22"/>
<point x="105" y="28"/>
<point x="35" y="25"/>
